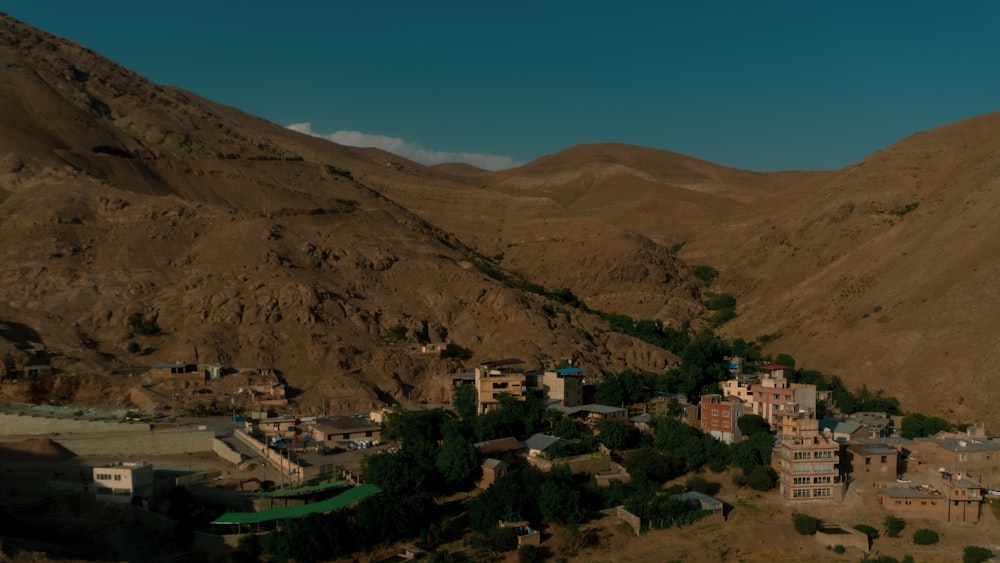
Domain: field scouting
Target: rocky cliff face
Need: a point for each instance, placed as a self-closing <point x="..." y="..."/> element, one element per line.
<point x="235" y="241"/>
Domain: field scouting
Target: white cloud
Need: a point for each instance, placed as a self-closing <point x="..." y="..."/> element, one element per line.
<point x="411" y="151"/>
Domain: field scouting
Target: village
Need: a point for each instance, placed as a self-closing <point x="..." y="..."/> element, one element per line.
<point x="284" y="466"/>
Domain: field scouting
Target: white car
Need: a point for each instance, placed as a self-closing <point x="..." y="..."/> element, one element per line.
<point x="904" y="481"/>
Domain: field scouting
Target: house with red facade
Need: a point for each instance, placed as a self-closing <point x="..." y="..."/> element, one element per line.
<point x="718" y="416"/>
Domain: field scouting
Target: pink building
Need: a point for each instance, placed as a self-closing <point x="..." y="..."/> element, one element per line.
<point x="774" y="394"/>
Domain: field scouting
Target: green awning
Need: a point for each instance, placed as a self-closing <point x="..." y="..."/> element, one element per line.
<point x="347" y="498"/>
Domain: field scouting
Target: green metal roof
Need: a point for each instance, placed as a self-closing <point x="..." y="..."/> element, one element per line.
<point x="347" y="498"/>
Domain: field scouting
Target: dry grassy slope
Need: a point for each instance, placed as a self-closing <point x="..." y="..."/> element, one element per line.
<point x="206" y="219"/>
<point x="610" y="268"/>
<point x="907" y="303"/>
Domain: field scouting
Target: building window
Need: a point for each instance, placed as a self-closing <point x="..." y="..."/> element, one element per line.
<point x="368" y="434"/>
<point x="725" y="424"/>
<point x="118" y="477"/>
<point x="103" y="477"/>
<point x="800" y="480"/>
<point x="725" y="414"/>
<point x="885" y="459"/>
<point x="800" y="493"/>
<point x="715" y="412"/>
<point x="868" y="461"/>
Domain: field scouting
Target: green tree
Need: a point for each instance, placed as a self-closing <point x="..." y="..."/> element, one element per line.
<point x="705" y="273"/>
<point x="566" y="429"/>
<point x="702" y="485"/>
<point x="925" y="536"/>
<point x="617" y="435"/>
<point x="785" y="360"/>
<point x="512" y="497"/>
<point x="445" y="556"/>
<point x="653" y="464"/>
<point x="401" y="472"/>
<point x="528" y="554"/>
<point x="915" y="425"/>
<point x="867" y="530"/>
<point x="762" y="478"/>
<point x="464" y="399"/>
<point x="626" y="388"/>
<point x="751" y="453"/>
<point x="457" y="460"/>
<point x="751" y="424"/>
<point x="560" y="500"/>
<point x="804" y="524"/>
<point x="893" y="526"/>
<point x="976" y="554"/>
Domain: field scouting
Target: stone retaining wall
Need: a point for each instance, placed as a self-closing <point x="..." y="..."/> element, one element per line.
<point x="32" y="425"/>
<point x="137" y="444"/>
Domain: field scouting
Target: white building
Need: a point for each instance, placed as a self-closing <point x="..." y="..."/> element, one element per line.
<point x="123" y="481"/>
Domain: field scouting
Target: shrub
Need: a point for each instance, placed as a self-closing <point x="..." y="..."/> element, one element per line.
<point x="142" y="325"/>
<point x="893" y="526"/>
<point x="804" y="524"/>
<point x="869" y="531"/>
<point x="925" y="536"/>
<point x="975" y="554"/>
<point x="527" y="554"/>
<point x="705" y="273"/>
<point x="397" y="332"/>
<point x="762" y="478"/>
<point x="134" y="348"/>
<point x="839" y="548"/>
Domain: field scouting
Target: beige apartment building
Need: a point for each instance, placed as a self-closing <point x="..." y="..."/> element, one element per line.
<point x="564" y="385"/>
<point x="808" y="463"/>
<point x="497" y="378"/>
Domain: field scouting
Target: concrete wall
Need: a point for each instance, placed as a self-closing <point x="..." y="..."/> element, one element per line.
<point x="136" y="444"/>
<point x="27" y="424"/>
<point x="226" y="452"/>
<point x="625" y="516"/>
<point x="839" y="534"/>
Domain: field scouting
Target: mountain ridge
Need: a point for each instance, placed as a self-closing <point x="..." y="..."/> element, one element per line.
<point x="253" y="244"/>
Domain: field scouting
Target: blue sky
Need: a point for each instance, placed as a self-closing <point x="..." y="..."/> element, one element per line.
<point x="754" y="85"/>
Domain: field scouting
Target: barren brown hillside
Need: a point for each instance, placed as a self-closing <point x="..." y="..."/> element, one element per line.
<point x="252" y="244"/>
<point x="883" y="273"/>
<point x="245" y="242"/>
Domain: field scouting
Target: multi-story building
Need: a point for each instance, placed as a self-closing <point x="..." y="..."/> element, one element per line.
<point x="564" y="385"/>
<point x="718" y="416"/>
<point x="496" y="378"/>
<point x="807" y="464"/>
<point x="949" y="495"/>
<point x="773" y="393"/>
<point x="121" y="482"/>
